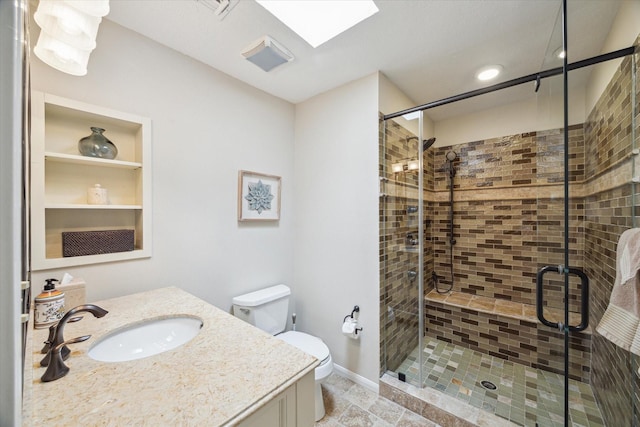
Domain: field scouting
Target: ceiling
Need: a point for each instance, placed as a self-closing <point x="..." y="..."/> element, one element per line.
<point x="430" y="49"/>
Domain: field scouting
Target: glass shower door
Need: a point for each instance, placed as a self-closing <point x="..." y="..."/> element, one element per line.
<point x="584" y="204"/>
<point x="562" y="286"/>
<point x="400" y="244"/>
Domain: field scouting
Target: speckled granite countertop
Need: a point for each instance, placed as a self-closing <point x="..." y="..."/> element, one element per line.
<point x="227" y="372"/>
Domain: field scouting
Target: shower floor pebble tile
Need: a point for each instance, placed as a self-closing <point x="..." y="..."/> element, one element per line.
<point x="348" y="404"/>
<point x="523" y="395"/>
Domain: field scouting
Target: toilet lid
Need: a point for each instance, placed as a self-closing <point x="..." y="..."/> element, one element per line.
<point x="307" y="343"/>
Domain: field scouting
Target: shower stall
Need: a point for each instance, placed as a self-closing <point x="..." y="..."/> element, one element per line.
<point x="498" y="255"/>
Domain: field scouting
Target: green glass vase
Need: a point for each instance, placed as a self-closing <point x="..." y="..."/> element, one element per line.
<point x="97" y="145"/>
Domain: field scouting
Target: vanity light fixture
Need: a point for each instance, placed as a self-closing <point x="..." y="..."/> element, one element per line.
<point x="489" y="72"/>
<point x="318" y="21"/>
<point x="397" y="167"/>
<point x="68" y="32"/>
<point x="413" y="165"/>
<point x="405" y="165"/>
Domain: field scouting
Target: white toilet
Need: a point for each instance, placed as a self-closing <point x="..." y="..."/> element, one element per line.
<point x="267" y="309"/>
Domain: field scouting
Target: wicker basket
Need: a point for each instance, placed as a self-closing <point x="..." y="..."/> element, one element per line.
<point x="79" y="243"/>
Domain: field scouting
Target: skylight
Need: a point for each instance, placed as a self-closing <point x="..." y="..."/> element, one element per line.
<point x="317" y="21"/>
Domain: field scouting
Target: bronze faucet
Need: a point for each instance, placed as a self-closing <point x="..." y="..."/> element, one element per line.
<point x="58" y="338"/>
<point x="57" y="368"/>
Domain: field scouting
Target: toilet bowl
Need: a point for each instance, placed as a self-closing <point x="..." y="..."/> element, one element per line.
<point x="267" y="309"/>
<point x="318" y="349"/>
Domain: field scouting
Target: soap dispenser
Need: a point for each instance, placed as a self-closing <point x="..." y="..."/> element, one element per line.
<point x="49" y="305"/>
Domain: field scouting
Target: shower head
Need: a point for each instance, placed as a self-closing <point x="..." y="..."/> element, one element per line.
<point x="451" y="156"/>
<point x="428" y="143"/>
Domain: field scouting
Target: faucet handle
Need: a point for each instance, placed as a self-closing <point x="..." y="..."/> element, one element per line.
<point x="52" y="335"/>
<point x="58" y="336"/>
<point x="56" y="368"/>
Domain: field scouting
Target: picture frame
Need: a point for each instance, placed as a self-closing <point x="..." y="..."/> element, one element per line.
<point x="258" y="196"/>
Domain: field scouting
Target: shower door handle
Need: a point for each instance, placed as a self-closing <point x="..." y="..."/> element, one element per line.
<point x="584" y="296"/>
<point x="584" y="299"/>
<point x="539" y="293"/>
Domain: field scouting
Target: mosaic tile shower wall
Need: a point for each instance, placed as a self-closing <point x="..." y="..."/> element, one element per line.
<point x="509" y="221"/>
<point x="609" y="213"/>
<point x="635" y="365"/>
<point x="399" y="224"/>
<point x="505" y="232"/>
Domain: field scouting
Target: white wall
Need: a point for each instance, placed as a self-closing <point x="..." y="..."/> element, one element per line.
<point x="336" y="204"/>
<point x="392" y="100"/>
<point x="623" y="34"/>
<point x="205" y="127"/>
<point x="531" y="115"/>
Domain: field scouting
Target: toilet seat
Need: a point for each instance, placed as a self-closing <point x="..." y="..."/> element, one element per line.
<point x="307" y="343"/>
<point x="313" y="346"/>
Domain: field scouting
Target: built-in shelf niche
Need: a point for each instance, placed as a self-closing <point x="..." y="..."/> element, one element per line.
<point x="60" y="177"/>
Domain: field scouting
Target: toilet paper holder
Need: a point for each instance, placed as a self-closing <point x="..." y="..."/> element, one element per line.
<point x="356" y="309"/>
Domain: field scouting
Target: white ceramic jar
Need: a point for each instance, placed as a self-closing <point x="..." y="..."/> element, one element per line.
<point x="97" y="195"/>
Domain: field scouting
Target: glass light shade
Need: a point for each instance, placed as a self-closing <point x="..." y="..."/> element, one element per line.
<point x="97" y="8"/>
<point x="62" y="56"/>
<point x="67" y="24"/>
<point x="413" y="165"/>
<point x="397" y="167"/>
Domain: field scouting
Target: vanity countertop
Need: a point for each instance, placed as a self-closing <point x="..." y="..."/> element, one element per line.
<point x="220" y="377"/>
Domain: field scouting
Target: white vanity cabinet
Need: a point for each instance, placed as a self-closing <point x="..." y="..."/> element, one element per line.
<point x="294" y="407"/>
<point x="60" y="177"/>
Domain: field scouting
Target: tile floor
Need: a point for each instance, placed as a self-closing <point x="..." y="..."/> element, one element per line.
<point x="523" y="395"/>
<point x="348" y="404"/>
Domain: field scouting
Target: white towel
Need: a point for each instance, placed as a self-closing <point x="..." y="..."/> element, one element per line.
<point x="621" y="321"/>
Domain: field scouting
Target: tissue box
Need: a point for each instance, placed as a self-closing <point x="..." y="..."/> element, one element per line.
<point x="79" y="243"/>
<point x="75" y="293"/>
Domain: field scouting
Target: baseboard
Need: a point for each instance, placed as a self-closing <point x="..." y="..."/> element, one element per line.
<point x="358" y="379"/>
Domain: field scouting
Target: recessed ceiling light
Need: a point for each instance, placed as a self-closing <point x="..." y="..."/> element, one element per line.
<point x="412" y="116"/>
<point x="559" y="53"/>
<point x="488" y="73"/>
<point x="317" y="21"/>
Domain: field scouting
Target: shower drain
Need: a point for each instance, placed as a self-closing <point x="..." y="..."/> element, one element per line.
<point x="488" y="385"/>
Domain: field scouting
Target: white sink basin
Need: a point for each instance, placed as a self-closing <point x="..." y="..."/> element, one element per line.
<point x="146" y="338"/>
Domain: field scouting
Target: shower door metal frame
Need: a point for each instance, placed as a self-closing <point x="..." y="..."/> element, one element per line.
<point x="535" y="77"/>
<point x="420" y="249"/>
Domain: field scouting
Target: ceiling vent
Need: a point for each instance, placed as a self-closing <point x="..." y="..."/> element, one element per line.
<point x="221" y="8"/>
<point x="267" y="53"/>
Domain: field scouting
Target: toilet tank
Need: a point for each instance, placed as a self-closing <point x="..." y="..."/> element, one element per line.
<point x="266" y="308"/>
